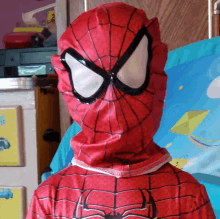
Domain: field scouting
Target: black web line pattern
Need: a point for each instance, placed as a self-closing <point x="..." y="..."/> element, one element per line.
<point x="55" y="198"/>
<point x="142" y="132"/>
<point x="95" y="190"/>
<point x="150" y="110"/>
<point x="40" y="207"/>
<point x="82" y="191"/>
<point x="96" y="120"/>
<point x="122" y="96"/>
<point x="81" y="148"/>
<point x="38" y="216"/>
<point x="111" y="24"/>
<point x="100" y="174"/>
<point x="111" y="87"/>
<point x="105" y="57"/>
<point x="149" y="190"/>
<point x="177" y="177"/>
<point x="126" y="33"/>
<point x="122" y="114"/>
<point x="128" y="129"/>
<point x="89" y="33"/>
<point x="115" y="192"/>
<point x="94" y="43"/>
<point x="108" y="24"/>
<point x="109" y="113"/>
<point x="121" y="111"/>
<point x="77" y="22"/>
<point x="86" y="154"/>
<point x="109" y="38"/>
<point x="113" y="100"/>
<point x="147" y="91"/>
<point x="87" y="113"/>
<point x="202" y="198"/>
<point x="84" y="205"/>
<point x="79" y="43"/>
<point x="76" y="110"/>
<point x="83" y="151"/>
<point x="205" y="203"/>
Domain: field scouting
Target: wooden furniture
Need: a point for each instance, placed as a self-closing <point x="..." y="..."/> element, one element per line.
<point x="13" y="59"/>
<point x="181" y="22"/>
<point x="39" y="101"/>
<point x="47" y="117"/>
<point x="216" y="16"/>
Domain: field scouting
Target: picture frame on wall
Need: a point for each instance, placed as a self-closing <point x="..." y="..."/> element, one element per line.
<point x="12" y="202"/>
<point x="11" y="136"/>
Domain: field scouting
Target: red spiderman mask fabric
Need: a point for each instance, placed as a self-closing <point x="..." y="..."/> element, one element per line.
<point x="111" y="74"/>
<point x="117" y="47"/>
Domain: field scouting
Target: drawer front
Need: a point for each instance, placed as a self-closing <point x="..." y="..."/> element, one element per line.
<point x="50" y="69"/>
<point x="2" y="72"/>
<point x="36" y="57"/>
<point x="12" y="59"/>
<point x="1" y="59"/>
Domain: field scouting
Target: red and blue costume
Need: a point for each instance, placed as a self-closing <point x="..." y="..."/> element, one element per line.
<point x="111" y="75"/>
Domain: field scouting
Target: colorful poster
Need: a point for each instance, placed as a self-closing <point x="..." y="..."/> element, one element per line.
<point x="189" y="128"/>
<point x="190" y="124"/>
<point x="10" y="136"/>
<point x="12" y="203"/>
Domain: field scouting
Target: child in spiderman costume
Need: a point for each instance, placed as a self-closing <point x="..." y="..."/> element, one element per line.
<point x="111" y="75"/>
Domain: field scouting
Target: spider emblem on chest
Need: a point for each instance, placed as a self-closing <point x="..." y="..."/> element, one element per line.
<point x="86" y="209"/>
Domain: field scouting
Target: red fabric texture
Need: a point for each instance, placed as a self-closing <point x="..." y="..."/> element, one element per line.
<point x="117" y="129"/>
<point x="78" y="193"/>
<point x="117" y="135"/>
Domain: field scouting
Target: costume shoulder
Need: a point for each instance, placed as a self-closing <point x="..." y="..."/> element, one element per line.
<point x="194" y="200"/>
<point x="204" y="208"/>
<point x="42" y="203"/>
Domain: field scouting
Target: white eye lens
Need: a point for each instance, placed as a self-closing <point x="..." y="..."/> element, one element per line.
<point x="86" y="82"/>
<point x="133" y="72"/>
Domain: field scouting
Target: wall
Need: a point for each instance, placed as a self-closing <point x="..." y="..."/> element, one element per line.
<point x="11" y="12"/>
<point x="181" y="22"/>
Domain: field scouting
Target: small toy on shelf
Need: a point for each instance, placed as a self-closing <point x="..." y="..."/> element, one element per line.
<point x="24" y="36"/>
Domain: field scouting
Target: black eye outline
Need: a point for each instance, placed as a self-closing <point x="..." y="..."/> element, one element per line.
<point x="112" y="75"/>
<point x="93" y="67"/>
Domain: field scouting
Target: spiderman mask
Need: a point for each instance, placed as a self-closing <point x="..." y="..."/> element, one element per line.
<point x="111" y="75"/>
